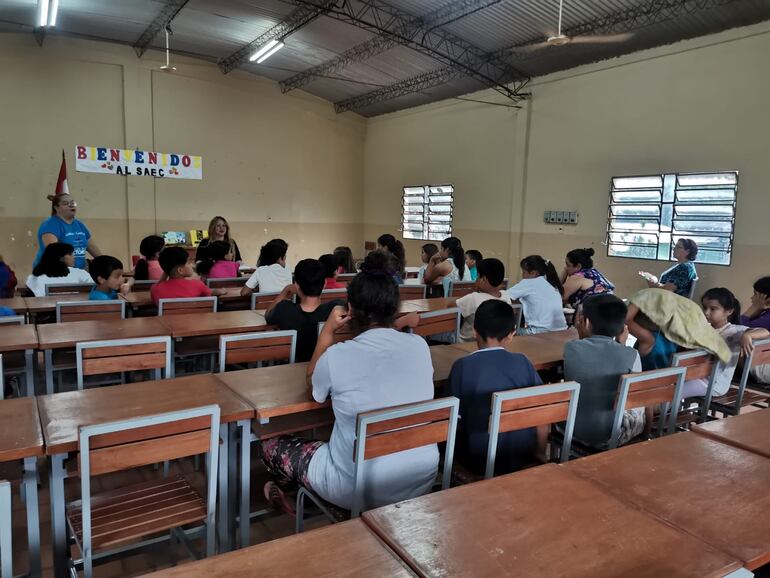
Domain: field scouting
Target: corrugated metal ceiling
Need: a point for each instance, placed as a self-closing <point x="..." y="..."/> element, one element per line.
<point x="214" y="29"/>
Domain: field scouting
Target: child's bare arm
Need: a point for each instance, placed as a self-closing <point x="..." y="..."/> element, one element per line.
<point x="645" y="340"/>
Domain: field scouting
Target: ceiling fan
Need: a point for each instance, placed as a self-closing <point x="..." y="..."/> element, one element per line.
<point x="560" y="39"/>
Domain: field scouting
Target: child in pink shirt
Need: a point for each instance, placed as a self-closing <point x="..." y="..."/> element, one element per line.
<point x="220" y="264"/>
<point x="177" y="281"/>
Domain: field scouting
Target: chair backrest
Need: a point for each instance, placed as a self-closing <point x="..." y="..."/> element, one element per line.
<point x="412" y="291"/>
<point x="257" y="347"/>
<point x="504" y="284"/>
<point x="226" y="282"/>
<point x="13" y="320"/>
<point x="334" y="294"/>
<point x="437" y="322"/>
<point x="261" y="301"/>
<point x="396" y="429"/>
<point x="122" y="445"/>
<point x="516" y="314"/>
<point x="2" y="383"/>
<point x="694" y="284"/>
<point x="6" y="531"/>
<point x="90" y="310"/>
<point x="186" y="305"/>
<point x="342" y="334"/>
<point x="527" y="407"/>
<point x="118" y="355"/>
<point x="656" y="387"/>
<point x="345" y="277"/>
<point x="52" y="289"/>
<point x="143" y="285"/>
<point x="760" y="356"/>
<point x="460" y="288"/>
<point x="699" y="364"/>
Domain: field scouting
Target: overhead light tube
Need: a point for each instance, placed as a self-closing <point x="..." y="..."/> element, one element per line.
<point x="266" y="51"/>
<point x="42" y="12"/>
<point x="270" y="52"/>
<point x="53" y="10"/>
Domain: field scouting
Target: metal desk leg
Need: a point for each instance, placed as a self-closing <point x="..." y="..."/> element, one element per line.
<point x="29" y="373"/>
<point x="223" y="514"/>
<point x="245" y="505"/>
<point x="49" y="371"/>
<point x="58" y="519"/>
<point x="33" y="515"/>
<point x="232" y="479"/>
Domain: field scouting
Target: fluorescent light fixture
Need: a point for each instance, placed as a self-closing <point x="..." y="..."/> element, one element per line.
<point x="42" y="12"/>
<point x="52" y="12"/>
<point x="266" y="51"/>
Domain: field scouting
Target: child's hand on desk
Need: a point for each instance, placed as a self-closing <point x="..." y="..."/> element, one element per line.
<point x="218" y="292"/>
<point x="410" y="320"/>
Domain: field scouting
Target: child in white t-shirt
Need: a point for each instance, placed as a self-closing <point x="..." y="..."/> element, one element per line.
<point x="56" y="267"/>
<point x="540" y="294"/>
<point x="271" y="275"/>
<point x="491" y="273"/>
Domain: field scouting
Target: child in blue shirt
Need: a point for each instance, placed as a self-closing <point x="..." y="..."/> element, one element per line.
<point x="107" y="273"/>
<point x="472" y="259"/>
<point x="475" y="377"/>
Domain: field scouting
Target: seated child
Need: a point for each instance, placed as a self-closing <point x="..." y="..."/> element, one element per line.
<point x="7" y="280"/>
<point x="596" y="361"/>
<point x="491" y="273"/>
<point x="475" y="377"/>
<point x="271" y="274"/>
<point x="758" y="315"/>
<point x="107" y="273"/>
<point x="345" y="259"/>
<point x="56" y="267"/>
<point x="178" y="281"/>
<point x="330" y="265"/>
<point x="305" y="315"/>
<point x="427" y="251"/>
<point x="540" y="294"/>
<point x="219" y="262"/>
<point x="148" y="267"/>
<point x="722" y="311"/>
<point x="472" y="260"/>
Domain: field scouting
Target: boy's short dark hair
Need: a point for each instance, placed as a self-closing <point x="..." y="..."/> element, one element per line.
<point x="492" y="269"/>
<point x="330" y="264"/>
<point x="103" y="266"/>
<point x="606" y="313"/>
<point x="310" y="275"/>
<point x="494" y="320"/>
<point x="475" y="255"/>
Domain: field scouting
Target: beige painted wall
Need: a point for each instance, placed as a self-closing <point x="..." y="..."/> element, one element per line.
<point x="695" y="105"/>
<point x="274" y="165"/>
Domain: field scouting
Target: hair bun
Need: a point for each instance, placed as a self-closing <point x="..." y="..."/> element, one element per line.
<point x="50" y="197"/>
<point x="376" y="263"/>
<point x="590" y="252"/>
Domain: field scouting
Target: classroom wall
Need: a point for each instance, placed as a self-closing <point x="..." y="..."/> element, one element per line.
<point x="274" y="165"/>
<point x="695" y="105"/>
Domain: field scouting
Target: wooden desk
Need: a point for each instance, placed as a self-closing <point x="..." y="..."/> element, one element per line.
<point x="346" y="549"/>
<point x="710" y="490"/>
<point x="21" y="439"/>
<point x="67" y="335"/>
<point x="36" y="305"/>
<point x="539" y="522"/>
<point x="20" y="339"/>
<point x="426" y="305"/>
<point x="749" y="431"/>
<point x="223" y="323"/>
<point x="63" y="413"/>
<point x="142" y="299"/>
<point x="18" y="304"/>
<point x="443" y="357"/>
<point x="545" y="350"/>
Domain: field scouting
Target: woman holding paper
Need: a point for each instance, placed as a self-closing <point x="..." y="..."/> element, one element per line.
<point x="63" y="227"/>
<point x="681" y="276"/>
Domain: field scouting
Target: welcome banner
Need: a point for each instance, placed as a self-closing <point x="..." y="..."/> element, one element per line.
<point x="138" y="163"/>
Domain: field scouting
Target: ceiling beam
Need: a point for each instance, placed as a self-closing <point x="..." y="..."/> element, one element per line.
<point x="363" y="51"/>
<point x="294" y="21"/>
<point x="169" y="11"/>
<point x="383" y="19"/>
<point x="653" y="12"/>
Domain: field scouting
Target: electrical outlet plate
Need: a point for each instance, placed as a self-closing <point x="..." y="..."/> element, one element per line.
<point x="560" y="217"/>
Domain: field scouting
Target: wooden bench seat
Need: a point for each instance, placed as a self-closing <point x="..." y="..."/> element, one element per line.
<point x="750" y="397"/>
<point x="139" y="511"/>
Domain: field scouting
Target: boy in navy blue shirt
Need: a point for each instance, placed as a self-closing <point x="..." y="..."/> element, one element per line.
<point x="476" y="377"/>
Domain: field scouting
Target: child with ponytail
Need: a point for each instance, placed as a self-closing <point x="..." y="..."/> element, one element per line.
<point x="448" y="263"/>
<point x="540" y="294"/>
<point x="148" y="268"/>
<point x="389" y="244"/>
<point x="219" y="263"/>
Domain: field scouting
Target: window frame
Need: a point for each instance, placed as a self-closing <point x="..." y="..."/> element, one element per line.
<point x="425" y="233"/>
<point x="671" y="207"/>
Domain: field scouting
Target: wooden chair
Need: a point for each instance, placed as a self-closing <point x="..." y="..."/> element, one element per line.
<point x="225" y="282"/>
<point x="345" y="277"/>
<point x="656" y="387"/>
<point x="257" y="347"/>
<point x="90" y="310"/>
<point x="527" y="407"/>
<point x="120" y="355"/>
<point x="504" y="284"/>
<point x="460" y="288"/>
<point x="412" y="292"/>
<point x="691" y="294"/>
<point x="72" y="288"/>
<point x="105" y="524"/>
<point x="699" y="364"/>
<point x="6" y="531"/>
<point x="741" y="396"/>
<point x="342" y="334"/>
<point x="13" y="320"/>
<point x="186" y="305"/>
<point x="443" y="321"/>
<point x="388" y="431"/>
<point x="517" y="313"/>
<point x="333" y="295"/>
<point x="144" y="285"/>
<point x="369" y="246"/>
<point x="261" y="301"/>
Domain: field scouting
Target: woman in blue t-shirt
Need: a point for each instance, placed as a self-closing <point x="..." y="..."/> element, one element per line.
<point x="63" y="227"/>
